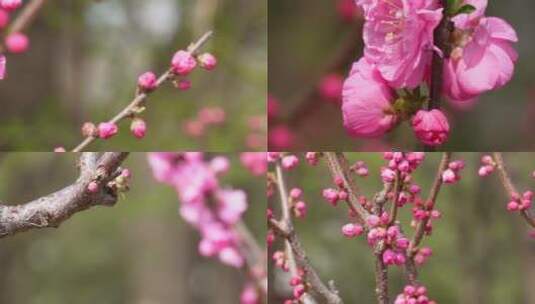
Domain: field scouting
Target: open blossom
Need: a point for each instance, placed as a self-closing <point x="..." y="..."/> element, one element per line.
<point x="431" y="127"/>
<point x="398" y="37"/>
<point x="367" y="102"/>
<point x="10" y="5"/>
<point x="483" y="57"/>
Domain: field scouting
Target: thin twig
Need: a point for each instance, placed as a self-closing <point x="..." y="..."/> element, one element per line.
<point x="509" y="187"/>
<point x="410" y="265"/>
<point x="429" y="203"/>
<point x="339" y="168"/>
<point x="24" y="19"/>
<point x="294" y="250"/>
<point x="441" y="37"/>
<point x="141" y="97"/>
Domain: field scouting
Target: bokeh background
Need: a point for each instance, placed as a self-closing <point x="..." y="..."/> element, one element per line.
<point x="481" y="252"/>
<point x="85" y="58"/>
<point x="309" y="39"/>
<point x="139" y="251"/>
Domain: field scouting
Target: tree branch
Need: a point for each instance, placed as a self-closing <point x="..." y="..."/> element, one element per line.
<point x="509" y="187"/>
<point x="441" y="37"/>
<point x="296" y="254"/>
<point x="141" y="97"/>
<point x="420" y="228"/>
<point x="24" y="19"/>
<point x="339" y="168"/>
<point x="54" y="209"/>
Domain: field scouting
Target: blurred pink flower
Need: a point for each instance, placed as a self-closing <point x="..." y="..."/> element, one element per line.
<point x="330" y="87"/>
<point x="2" y="66"/>
<point x="280" y="137"/>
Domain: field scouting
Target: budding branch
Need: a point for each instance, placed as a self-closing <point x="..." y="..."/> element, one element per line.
<point x="54" y="209"/>
<point x="141" y="96"/>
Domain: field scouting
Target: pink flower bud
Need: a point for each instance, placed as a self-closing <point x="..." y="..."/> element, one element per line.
<point x="107" y="130"/>
<point x="512" y="206"/>
<point x="183" y="84"/>
<point x="388" y="175"/>
<point x="59" y="149"/>
<point x="126" y="173"/>
<point x="330" y="87"/>
<point x="249" y="295"/>
<point x="299" y="290"/>
<point x="342" y="195"/>
<point x="183" y="63"/>
<point x="147" y="81"/>
<point x="138" y="127"/>
<point x="89" y="129"/>
<point x="300" y="209"/>
<point x="312" y="158"/>
<point x="296" y="193"/>
<point x="448" y="176"/>
<point x="431" y="127"/>
<point x="17" y="43"/>
<point x="207" y="61"/>
<point x="331" y="195"/>
<point x="92" y="187"/>
<point x="289" y="162"/>
<point x="373" y="220"/>
<point x="10" y="5"/>
<point x="352" y="230"/>
<point x="389" y="257"/>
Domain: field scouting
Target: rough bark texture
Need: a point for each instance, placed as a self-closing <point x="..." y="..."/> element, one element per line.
<point x="55" y="208"/>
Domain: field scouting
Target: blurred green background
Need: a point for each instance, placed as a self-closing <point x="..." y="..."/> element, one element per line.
<point x="481" y="252"/>
<point x="307" y="38"/>
<point x="85" y="58"/>
<point x="139" y="251"/>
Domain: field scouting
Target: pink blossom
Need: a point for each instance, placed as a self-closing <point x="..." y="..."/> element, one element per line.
<point x="351" y="230"/>
<point x="448" y="176"/>
<point x="107" y="130"/>
<point x="431" y="127"/>
<point x="331" y="195"/>
<point x="138" y="127"/>
<point x="367" y="102"/>
<point x="220" y="165"/>
<point x="2" y="66"/>
<point x="92" y="187"/>
<point x="289" y="162"/>
<point x="330" y="87"/>
<point x="212" y="115"/>
<point x="483" y="57"/>
<point x="4" y="18"/>
<point x="398" y="37"/>
<point x="273" y="106"/>
<point x="147" y="81"/>
<point x="10" y="5"/>
<point x="231" y="257"/>
<point x="232" y="205"/>
<point x="249" y="295"/>
<point x="59" y="149"/>
<point x="183" y="84"/>
<point x="255" y="162"/>
<point x="207" y="61"/>
<point x="280" y="137"/>
<point x="183" y="63"/>
<point x="17" y="43"/>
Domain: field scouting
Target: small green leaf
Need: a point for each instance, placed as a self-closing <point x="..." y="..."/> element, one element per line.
<point x="466" y="9"/>
<point x="452" y="6"/>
